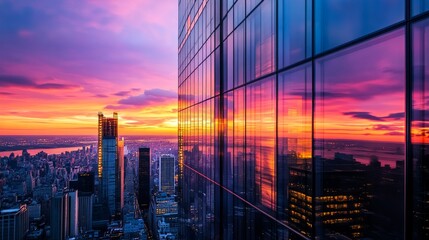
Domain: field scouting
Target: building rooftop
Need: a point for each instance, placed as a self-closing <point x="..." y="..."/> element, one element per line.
<point x="8" y="211"/>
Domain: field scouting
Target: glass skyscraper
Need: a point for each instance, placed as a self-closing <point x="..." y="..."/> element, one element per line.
<point x="166" y="173"/>
<point x="111" y="173"/>
<point x="304" y="119"/>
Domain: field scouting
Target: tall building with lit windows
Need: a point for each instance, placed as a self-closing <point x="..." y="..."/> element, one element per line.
<point x="303" y="119"/>
<point x="167" y="173"/>
<point x="110" y="171"/>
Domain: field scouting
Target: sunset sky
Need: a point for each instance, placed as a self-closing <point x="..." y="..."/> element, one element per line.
<point x="61" y="64"/>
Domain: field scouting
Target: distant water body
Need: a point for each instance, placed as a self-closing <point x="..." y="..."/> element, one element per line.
<point x="46" y="150"/>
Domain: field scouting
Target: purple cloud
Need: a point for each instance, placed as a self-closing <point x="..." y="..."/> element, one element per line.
<point x="368" y="116"/>
<point x="385" y="127"/>
<point x="6" y="93"/>
<point x="100" y="96"/>
<point x="21" y="81"/>
<point x="55" y="86"/>
<point x="12" y="81"/>
<point x="122" y="93"/>
<point x="363" y="115"/>
<point x="396" y="116"/>
<point x="149" y="97"/>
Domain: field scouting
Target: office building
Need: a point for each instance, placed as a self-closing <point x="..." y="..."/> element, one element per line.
<point x="120" y="177"/>
<point x="163" y="216"/>
<point x="144" y="178"/>
<point x="85" y="210"/>
<point x="303" y="119"/>
<point x="74" y="212"/>
<point x="59" y="216"/>
<point x="34" y="210"/>
<point x="14" y="223"/>
<point x="85" y="182"/>
<point x="109" y="168"/>
<point x="166" y="173"/>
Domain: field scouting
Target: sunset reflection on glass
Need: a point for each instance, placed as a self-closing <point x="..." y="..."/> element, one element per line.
<point x="359" y="137"/>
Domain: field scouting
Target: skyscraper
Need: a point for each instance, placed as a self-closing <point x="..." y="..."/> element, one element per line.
<point x="74" y="213"/>
<point x="14" y="223"/>
<point x="121" y="177"/>
<point x="85" y="182"/>
<point x="85" y="210"/>
<point x="303" y="119"/>
<point x="111" y="174"/>
<point x="166" y="173"/>
<point x="144" y="178"/>
<point x="59" y="216"/>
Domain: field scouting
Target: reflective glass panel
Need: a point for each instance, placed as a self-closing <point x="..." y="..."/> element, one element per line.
<point x="260" y="41"/>
<point x="228" y="63"/>
<point x="359" y="140"/>
<point x="419" y="6"/>
<point x="294" y="31"/>
<point x="239" y="55"/>
<point x="294" y="148"/>
<point x="340" y="21"/>
<point x="260" y="140"/>
<point x="420" y="130"/>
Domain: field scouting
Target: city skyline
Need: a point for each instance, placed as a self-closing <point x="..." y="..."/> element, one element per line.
<point x="105" y="55"/>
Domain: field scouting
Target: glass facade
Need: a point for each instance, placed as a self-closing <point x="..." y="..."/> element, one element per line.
<point x="112" y="164"/>
<point x="420" y="129"/>
<point x="303" y="119"/>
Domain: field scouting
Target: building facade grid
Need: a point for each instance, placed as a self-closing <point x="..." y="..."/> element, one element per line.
<point x="303" y="119"/>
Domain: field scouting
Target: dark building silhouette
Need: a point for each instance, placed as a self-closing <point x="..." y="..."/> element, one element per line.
<point x="60" y="216"/>
<point x="167" y="173"/>
<point x="86" y="182"/>
<point x="144" y="178"/>
<point x="86" y="200"/>
<point x="74" y="184"/>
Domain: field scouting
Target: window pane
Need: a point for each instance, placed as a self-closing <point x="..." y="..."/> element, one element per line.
<point x="260" y="140"/>
<point x="420" y="6"/>
<point x="294" y="29"/>
<point x="250" y="4"/>
<point x="239" y="133"/>
<point x="239" y="55"/>
<point x="294" y="148"/>
<point x="239" y="12"/>
<point x="228" y="63"/>
<point x="420" y="130"/>
<point x="260" y="41"/>
<point x="340" y="21"/>
<point x="359" y="140"/>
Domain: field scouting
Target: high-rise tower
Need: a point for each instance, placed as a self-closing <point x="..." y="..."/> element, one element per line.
<point x="144" y="178"/>
<point x="111" y="174"/>
<point x="120" y="176"/>
<point x="166" y="173"/>
<point x="60" y="216"/>
<point x="14" y="223"/>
